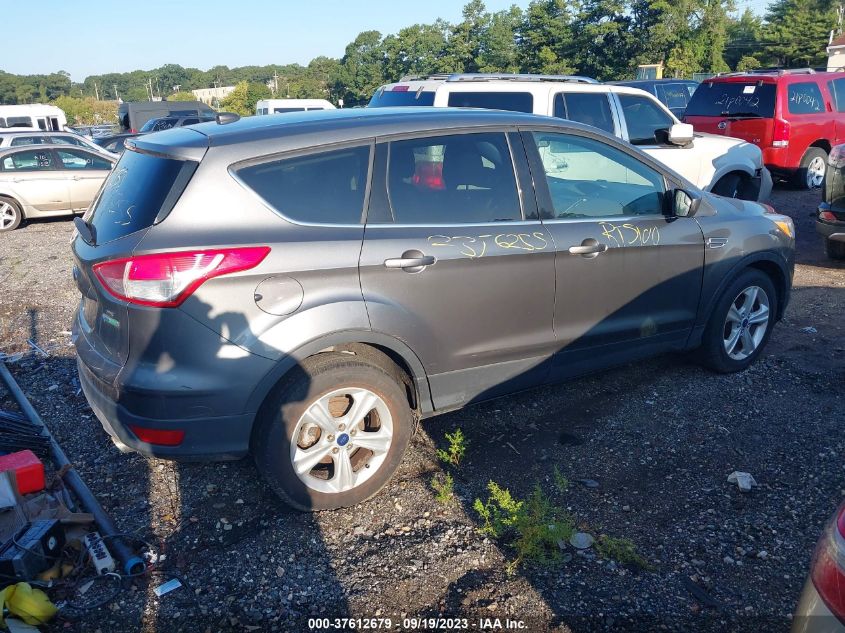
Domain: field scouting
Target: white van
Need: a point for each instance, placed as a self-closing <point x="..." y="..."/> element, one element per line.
<point x="34" y="116"/>
<point x="276" y="106"/>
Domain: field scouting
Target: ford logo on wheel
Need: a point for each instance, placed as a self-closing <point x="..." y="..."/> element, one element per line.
<point x="723" y="125"/>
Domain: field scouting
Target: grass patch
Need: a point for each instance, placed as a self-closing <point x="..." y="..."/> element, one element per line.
<point x="532" y="526"/>
<point x="621" y="550"/>
<point x="457" y="448"/>
<point x="561" y="482"/>
<point x="444" y="487"/>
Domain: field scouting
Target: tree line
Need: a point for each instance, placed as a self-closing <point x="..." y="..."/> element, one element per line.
<point x="605" y="39"/>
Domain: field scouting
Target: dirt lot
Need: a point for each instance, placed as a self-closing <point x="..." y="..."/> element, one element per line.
<point x="657" y="440"/>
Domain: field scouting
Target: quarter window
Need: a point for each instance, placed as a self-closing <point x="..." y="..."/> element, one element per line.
<point x="512" y="101"/>
<point x="27" y="140"/>
<point x="323" y="188"/>
<point x="590" y="108"/>
<point x="454" y="179"/>
<point x="591" y="179"/>
<point x="805" y="98"/>
<point x="32" y="160"/>
<point x="644" y="120"/>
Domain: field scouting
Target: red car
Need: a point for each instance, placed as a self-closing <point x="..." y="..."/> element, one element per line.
<point x="794" y="116"/>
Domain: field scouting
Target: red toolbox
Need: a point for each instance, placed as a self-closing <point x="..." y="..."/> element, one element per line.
<point x="28" y="469"/>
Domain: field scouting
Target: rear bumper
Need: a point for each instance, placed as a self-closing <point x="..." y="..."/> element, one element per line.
<point x="206" y="439"/>
<point x="812" y="614"/>
<point x="834" y="231"/>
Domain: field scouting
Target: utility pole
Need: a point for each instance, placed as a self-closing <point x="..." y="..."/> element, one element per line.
<point x="275" y="83"/>
<point x="150" y="87"/>
<point x="96" y="92"/>
<point x="116" y="96"/>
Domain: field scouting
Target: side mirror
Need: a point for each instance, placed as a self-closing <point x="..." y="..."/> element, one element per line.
<point x="681" y="134"/>
<point x="684" y="204"/>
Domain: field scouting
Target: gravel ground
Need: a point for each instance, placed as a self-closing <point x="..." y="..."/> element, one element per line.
<point x="658" y="439"/>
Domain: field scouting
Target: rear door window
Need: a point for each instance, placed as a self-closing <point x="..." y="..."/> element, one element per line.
<point x="67" y="140"/>
<point x="321" y="188"/>
<point x="512" y="101"/>
<point x="452" y="179"/>
<point x="804" y="98"/>
<point x="397" y="98"/>
<point x="140" y="189"/>
<point x="733" y="99"/>
<point x="78" y="159"/>
<point x="32" y="160"/>
<point x="590" y="108"/>
<point x="27" y="140"/>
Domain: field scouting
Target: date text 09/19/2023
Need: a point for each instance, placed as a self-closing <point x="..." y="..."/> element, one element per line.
<point x="416" y="624"/>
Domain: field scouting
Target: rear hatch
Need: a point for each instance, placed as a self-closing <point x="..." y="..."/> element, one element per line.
<point x="742" y="108"/>
<point x="140" y="192"/>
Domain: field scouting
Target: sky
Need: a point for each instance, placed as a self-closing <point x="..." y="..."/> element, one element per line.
<point x="111" y="36"/>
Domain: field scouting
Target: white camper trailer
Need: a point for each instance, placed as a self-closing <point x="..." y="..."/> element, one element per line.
<point x="35" y="116"/>
<point x="276" y="106"/>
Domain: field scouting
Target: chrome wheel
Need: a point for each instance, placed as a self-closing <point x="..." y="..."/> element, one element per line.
<point x="341" y="440"/>
<point x="815" y="172"/>
<point x="8" y="215"/>
<point x="746" y="323"/>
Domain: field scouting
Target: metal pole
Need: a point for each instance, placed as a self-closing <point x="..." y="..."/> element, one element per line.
<point x="132" y="564"/>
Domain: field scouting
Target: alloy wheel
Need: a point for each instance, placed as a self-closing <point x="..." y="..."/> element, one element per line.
<point x="746" y="323"/>
<point x="341" y="440"/>
<point x="8" y="215"/>
<point x="815" y="172"/>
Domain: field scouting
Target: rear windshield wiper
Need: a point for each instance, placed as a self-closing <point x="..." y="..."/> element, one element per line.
<point x="86" y="231"/>
<point x="738" y="115"/>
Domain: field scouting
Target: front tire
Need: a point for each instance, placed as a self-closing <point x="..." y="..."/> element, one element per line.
<point x="834" y="250"/>
<point x="10" y="214"/>
<point x="333" y="433"/>
<point x="811" y="171"/>
<point x="729" y="186"/>
<point x="740" y="324"/>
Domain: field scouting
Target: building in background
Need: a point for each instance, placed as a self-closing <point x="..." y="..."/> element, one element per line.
<point x="212" y="96"/>
<point x="836" y="53"/>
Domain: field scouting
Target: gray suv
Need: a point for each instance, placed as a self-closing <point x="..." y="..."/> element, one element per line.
<point x="304" y="290"/>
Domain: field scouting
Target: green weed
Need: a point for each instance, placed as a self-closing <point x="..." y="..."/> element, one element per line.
<point x="457" y="448"/>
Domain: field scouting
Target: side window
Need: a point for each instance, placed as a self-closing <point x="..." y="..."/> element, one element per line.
<point x="164" y="124"/>
<point x="75" y="159"/>
<point x="591" y="179"/>
<point x="513" y="101"/>
<point x="804" y="98"/>
<point x="837" y="91"/>
<point x="454" y="179"/>
<point x="32" y="160"/>
<point x="67" y="140"/>
<point x="27" y="140"/>
<point x="591" y="108"/>
<point x="190" y="121"/>
<point x="673" y="95"/>
<point x="42" y="124"/>
<point x="644" y="120"/>
<point x="324" y="188"/>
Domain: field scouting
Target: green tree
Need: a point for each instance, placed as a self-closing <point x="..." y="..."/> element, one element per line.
<point x="463" y="50"/>
<point x="181" y="95"/>
<point x="243" y="98"/>
<point x="796" y="32"/>
<point x="544" y="40"/>
<point x="498" y="50"/>
<point x="419" y="49"/>
<point x="744" y="35"/>
<point x="361" y="69"/>
<point x="602" y="42"/>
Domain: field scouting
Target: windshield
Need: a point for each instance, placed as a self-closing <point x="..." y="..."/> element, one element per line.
<point x="753" y="100"/>
<point x="139" y="189"/>
<point x="392" y="98"/>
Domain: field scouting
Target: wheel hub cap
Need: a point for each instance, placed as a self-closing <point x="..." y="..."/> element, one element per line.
<point x="342" y="439"/>
<point x="746" y="323"/>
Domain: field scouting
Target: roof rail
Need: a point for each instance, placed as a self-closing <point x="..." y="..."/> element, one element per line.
<point x="519" y="77"/>
<point x="771" y="71"/>
<point x="431" y="77"/>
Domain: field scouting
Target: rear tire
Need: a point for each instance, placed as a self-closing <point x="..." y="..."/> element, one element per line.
<point x="834" y="250"/>
<point x="733" y="338"/>
<point x="331" y="420"/>
<point x="11" y="215"/>
<point x="810" y="174"/>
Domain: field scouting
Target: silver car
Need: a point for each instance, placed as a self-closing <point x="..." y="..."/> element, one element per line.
<point x="38" y="181"/>
<point x="18" y="139"/>
<point x="306" y="287"/>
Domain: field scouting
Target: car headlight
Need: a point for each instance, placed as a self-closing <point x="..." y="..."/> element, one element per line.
<point x="783" y="222"/>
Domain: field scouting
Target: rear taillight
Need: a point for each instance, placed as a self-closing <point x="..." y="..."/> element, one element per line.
<point x="828" y="571"/>
<point x="780" y="135"/>
<point x="165" y="280"/>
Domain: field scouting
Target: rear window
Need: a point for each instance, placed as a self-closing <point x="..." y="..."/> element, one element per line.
<point x="395" y="98"/>
<point x="513" y="101"/>
<point x="722" y="99"/>
<point x="805" y="98"/>
<point x="323" y="188"/>
<point x="140" y="189"/>
<point x="283" y="110"/>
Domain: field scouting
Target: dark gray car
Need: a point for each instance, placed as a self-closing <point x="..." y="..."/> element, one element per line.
<point x="304" y="290"/>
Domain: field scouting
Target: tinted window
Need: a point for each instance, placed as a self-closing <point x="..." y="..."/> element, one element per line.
<point x="733" y="99"/>
<point x="837" y="90"/>
<point x="591" y="108"/>
<point x="32" y="160"/>
<point x="805" y="98"/>
<point x="190" y="121"/>
<point x="644" y="118"/>
<point x="325" y="188"/>
<point x="77" y="159"/>
<point x="18" y="121"/>
<point x="590" y="179"/>
<point x="391" y="98"/>
<point x="283" y="110"/>
<point x="454" y="179"/>
<point x="512" y="101"/>
<point x="27" y="140"/>
<point x="673" y="95"/>
<point x="67" y="140"/>
<point x="139" y="189"/>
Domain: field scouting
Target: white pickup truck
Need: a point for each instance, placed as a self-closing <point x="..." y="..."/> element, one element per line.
<point x="722" y="165"/>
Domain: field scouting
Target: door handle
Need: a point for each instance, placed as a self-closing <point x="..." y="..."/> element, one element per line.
<point x="588" y="247"/>
<point x="411" y="261"/>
